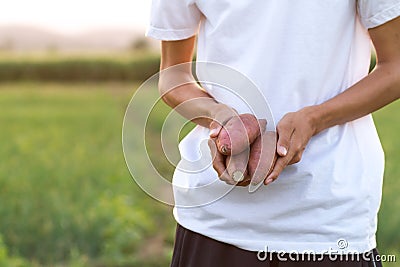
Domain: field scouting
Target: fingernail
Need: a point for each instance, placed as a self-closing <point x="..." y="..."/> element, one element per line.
<point x="254" y="187"/>
<point x="213" y="132"/>
<point x="238" y="176"/>
<point x="282" y="150"/>
<point x="268" y="181"/>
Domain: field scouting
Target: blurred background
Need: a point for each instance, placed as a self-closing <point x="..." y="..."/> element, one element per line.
<point x="67" y="72"/>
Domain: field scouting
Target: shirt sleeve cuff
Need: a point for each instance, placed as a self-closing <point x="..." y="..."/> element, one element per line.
<point x="170" y="35"/>
<point x="382" y="17"/>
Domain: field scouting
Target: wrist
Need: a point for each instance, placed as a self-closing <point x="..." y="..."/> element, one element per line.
<point x="314" y="115"/>
<point x="221" y="113"/>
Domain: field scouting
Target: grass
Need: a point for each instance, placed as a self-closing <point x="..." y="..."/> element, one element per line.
<point x="67" y="190"/>
<point x="73" y="67"/>
<point x="387" y="121"/>
<point x="68" y="198"/>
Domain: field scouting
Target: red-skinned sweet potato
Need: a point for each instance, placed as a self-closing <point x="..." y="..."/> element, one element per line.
<point x="262" y="157"/>
<point x="238" y="133"/>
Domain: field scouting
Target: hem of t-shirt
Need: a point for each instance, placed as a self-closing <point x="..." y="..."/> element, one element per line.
<point x="341" y="246"/>
<point x="170" y="34"/>
<point x="383" y="16"/>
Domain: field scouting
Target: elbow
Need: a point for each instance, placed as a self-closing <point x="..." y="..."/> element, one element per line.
<point x="391" y="71"/>
<point x="165" y="96"/>
<point x="164" y="88"/>
<point x="390" y="67"/>
<point x="170" y="84"/>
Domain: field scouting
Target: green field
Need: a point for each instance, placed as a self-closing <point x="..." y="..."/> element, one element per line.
<point x="67" y="198"/>
<point x="83" y="67"/>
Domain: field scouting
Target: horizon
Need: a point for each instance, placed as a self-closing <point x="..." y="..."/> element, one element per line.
<point x="73" y="34"/>
<point x="56" y="17"/>
<point x="27" y="38"/>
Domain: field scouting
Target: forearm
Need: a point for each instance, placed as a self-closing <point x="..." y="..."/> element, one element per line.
<point x="376" y="90"/>
<point x="296" y="128"/>
<point x="180" y="91"/>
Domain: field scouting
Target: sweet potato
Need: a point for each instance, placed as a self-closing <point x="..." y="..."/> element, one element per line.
<point x="238" y="133"/>
<point x="236" y="165"/>
<point x="262" y="157"/>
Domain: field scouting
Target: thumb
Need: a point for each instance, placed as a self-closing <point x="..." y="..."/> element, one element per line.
<point x="215" y="128"/>
<point x="221" y="117"/>
<point x="283" y="141"/>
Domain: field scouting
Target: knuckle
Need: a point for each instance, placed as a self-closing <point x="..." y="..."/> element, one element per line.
<point x="217" y="169"/>
<point x="281" y="127"/>
<point x="287" y="118"/>
<point x="298" y="147"/>
<point x="222" y="178"/>
<point x="281" y="164"/>
<point x="284" y="132"/>
<point x="296" y="159"/>
<point x="283" y="137"/>
<point x="230" y="182"/>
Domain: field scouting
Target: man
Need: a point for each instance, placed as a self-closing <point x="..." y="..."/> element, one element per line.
<point x="310" y="60"/>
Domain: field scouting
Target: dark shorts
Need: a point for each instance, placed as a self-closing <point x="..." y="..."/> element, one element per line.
<point x="195" y="250"/>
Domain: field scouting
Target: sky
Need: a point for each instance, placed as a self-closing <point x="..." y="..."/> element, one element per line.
<point x="76" y="16"/>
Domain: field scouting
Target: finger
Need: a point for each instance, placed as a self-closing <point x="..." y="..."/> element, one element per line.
<point x="221" y="119"/>
<point x="284" y="135"/>
<point x="215" y="129"/>
<point x="296" y="148"/>
<point x="280" y="164"/>
<point x="262" y="123"/>
<point x="236" y="165"/>
<point x="296" y="158"/>
<point x="219" y="163"/>
<point x="217" y="159"/>
<point x="245" y="182"/>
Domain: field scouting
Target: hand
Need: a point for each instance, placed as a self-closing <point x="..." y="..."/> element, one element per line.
<point x="226" y="166"/>
<point x="294" y="132"/>
<point x="254" y="166"/>
<point x="233" y="138"/>
<point x="237" y="133"/>
<point x="236" y="166"/>
<point x="219" y="161"/>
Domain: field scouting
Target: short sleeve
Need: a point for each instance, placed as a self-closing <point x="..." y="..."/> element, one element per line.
<point x="376" y="12"/>
<point x="173" y="19"/>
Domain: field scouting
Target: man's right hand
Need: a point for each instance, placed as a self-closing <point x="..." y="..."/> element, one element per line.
<point x="236" y="134"/>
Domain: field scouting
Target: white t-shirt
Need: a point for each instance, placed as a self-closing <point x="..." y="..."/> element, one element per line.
<point x="298" y="53"/>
